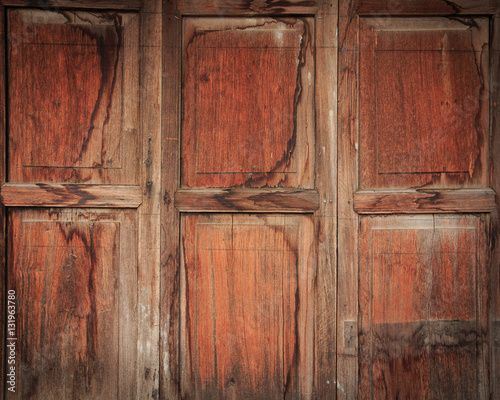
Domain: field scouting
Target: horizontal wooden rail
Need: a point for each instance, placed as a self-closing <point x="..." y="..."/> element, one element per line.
<point x="424" y="201"/>
<point x="247" y="200"/>
<point x="241" y="7"/>
<point x="55" y="4"/>
<point x="68" y="195"/>
<point x="427" y="7"/>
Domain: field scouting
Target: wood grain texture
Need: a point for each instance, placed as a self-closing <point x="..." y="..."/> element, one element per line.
<point x="170" y="219"/>
<point x="247" y="200"/>
<point x="253" y="7"/>
<point x="423" y="307"/>
<point x="427" y="7"/>
<point x="248" y="104"/>
<point x="148" y="274"/>
<point x="3" y="214"/>
<point x="325" y="220"/>
<point x="423" y="102"/>
<point x="74" y="273"/>
<point x="247" y="306"/>
<point x="53" y="195"/>
<point x="494" y="228"/>
<point x="424" y="201"/>
<point x="81" y="124"/>
<point x="348" y="220"/>
<point x="55" y="5"/>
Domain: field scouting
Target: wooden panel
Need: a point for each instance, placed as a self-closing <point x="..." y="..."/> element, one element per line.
<point x="169" y="351"/>
<point x="427" y="7"/>
<point x="248" y="117"/>
<point x="423" y="297"/>
<point x="80" y="124"/>
<point x="247" y="200"/>
<point x="74" y="273"/>
<point x="423" y="102"/>
<point x="52" y="195"/>
<point x="246" y="305"/>
<point x="239" y="7"/>
<point x="325" y="218"/>
<point x="424" y="201"/>
<point x="56" y="4"/>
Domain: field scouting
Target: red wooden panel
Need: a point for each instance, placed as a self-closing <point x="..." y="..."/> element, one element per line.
<point x="65" y="268"/>
<point x="75" y="111"/>
<point x="247" y="103"/>
<point x="247" y="322"/>
<point x="423" y="103"/>
<point x="423" y="306"/>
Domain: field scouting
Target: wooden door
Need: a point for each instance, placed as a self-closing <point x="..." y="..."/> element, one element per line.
<point x="81" y="208"/>
<point x="249" y="239"/>
<point x="418" y="150"/>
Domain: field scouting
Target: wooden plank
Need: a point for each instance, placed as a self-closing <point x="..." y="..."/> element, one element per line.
<point x="247" y="200"/>
<point x="83" y="135"/>
<point x="74" y="272"/>
<point x="424" y="201"/>
<point x="254" y="7"/>
<point x="253" y="127"/>
<point x="348" y="220"/>
<point x="148" y="274"/>
<point x="247" y="306"/>
<point x="427" y="7"/>
<point x="169" y="376"/>
<point x="54" y="5"/>
<point x="68" y="195"/>
<point x="3" y="215"/>
<point x="495" y="215"/>
<point x="324" y="363"/>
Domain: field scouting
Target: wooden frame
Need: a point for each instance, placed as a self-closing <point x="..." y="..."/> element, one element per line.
<point x="353" y="202"/>
<point x="325" y="18"/>
<point x="141" y="362"/>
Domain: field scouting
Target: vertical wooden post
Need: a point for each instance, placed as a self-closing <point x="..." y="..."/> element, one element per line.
<point x="149" y="211"/>
<point x="3" y="268"/>
<point x="347" y="346"/>
<point x="170" y="256"/>
<point x="326" y="184"/>
<point x="495" y="215"/>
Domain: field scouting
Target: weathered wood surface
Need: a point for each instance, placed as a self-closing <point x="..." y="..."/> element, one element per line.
<point x="494" y="228"/>
<point x="248" y="103"/>
<point x="247" y="306"/>
<point x="74" y="273"/>
<point x="81" y="123"/>
<point x="423" y="102"/>
<point x="348" y="220"/>
<point x="325" y="221"/>
<point x="55" y="5"/>
<point x="247" y="200"/>
<point x="252" y="7"/>
<point x="149" y="236"/>
<point x="3" y="214"/>
<point x="423" y="307"/>
<point x="170" y="219"/>
<point x="427" y="7"/>
<point x="68" y="195"/>
<point x="424" y="201"/>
